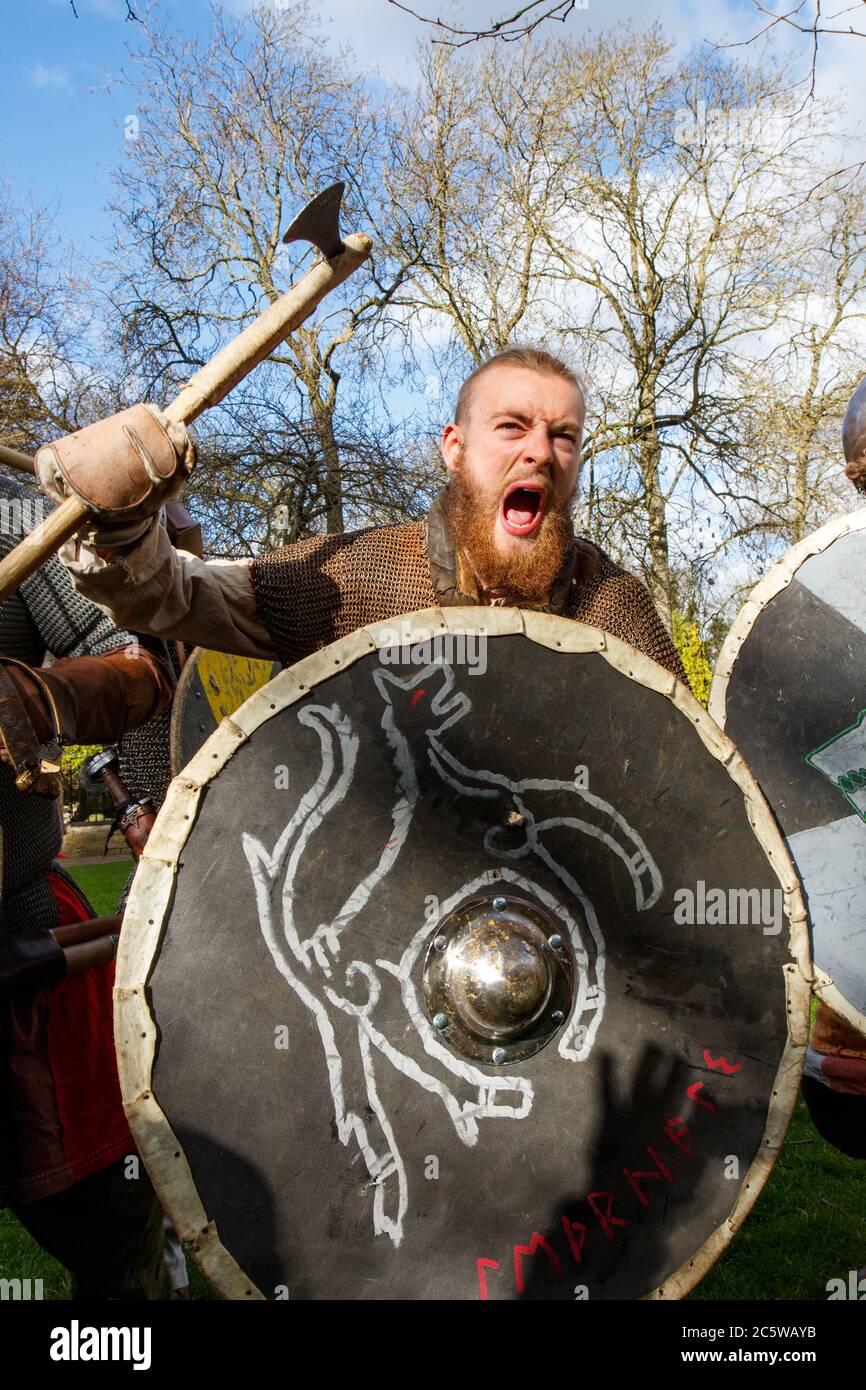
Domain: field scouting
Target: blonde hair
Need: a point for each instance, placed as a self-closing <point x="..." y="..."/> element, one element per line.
<point x="534" y="359"/>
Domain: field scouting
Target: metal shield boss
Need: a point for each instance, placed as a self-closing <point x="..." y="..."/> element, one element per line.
<point x="790" y="690"/>
<point x="465" y="961"/>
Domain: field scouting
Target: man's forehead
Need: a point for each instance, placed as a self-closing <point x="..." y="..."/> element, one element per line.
<point x="539" y="395"/>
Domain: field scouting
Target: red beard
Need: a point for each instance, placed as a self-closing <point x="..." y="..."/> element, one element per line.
<point x="528" y="572"/>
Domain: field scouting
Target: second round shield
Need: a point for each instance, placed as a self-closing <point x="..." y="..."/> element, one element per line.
<point x="211" y="687"/>
<point x="469" y="967"/>
<point x="790" y="690"/>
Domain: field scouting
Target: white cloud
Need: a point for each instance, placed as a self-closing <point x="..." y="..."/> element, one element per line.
<point x="49" y="77"/>
<point x="386" y="39"/>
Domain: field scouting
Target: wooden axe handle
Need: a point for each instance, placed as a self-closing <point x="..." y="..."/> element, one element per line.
<point x="208" y="387"/>
<point x="74" y="933"/>
<point x="14" y="458"/>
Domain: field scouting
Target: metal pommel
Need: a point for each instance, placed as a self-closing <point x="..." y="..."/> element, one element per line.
<point x="498" y="979"/>
<point x="95" y="766"/>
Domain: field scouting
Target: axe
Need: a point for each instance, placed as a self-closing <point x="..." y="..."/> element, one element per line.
<point x="13" y="458"/>
<point x="318" y="223"/>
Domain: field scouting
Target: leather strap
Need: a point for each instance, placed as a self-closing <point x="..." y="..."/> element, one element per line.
<point x="23" y="747"/>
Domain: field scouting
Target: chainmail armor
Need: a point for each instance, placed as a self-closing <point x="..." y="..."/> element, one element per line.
<point x="317" y="590"/>
<point x="320" y="589"/>
<point x="145" y="764"/>
<point x="46" y="614"/>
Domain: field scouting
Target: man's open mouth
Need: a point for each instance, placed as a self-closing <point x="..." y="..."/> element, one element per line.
<point x="522" y="508"/>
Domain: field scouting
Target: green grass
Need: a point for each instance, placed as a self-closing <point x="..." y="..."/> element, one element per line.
<point x="22" y="1258"/>
<point x="807" y="1226"/>
<point x="103" y="883"/>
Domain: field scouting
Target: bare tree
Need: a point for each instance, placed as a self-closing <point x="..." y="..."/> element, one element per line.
<point x="472" y="185"/>
<point x="807" y="17"/>
<point x="49" y="380"/>
<point x="259" y="480"/>
<point x="679" y="234"/>
<point x="790" y="478"/>
<point x="235" y="136"/>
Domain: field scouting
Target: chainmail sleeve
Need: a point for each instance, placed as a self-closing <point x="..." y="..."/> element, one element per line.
<point x="324" y="587"/>
<point x="60" y="620"/>
<point x="47" y="615"/>
<point x="621" y="605"/>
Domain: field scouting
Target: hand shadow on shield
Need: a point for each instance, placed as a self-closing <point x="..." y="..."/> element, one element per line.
<point x="629" y="1231"/>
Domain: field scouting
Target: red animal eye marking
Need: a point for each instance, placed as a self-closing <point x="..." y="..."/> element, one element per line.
<point x="419" y="695"/>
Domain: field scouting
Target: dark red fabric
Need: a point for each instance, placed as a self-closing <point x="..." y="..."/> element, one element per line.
<point x="66" y="1118"/>
<point x="847" y="1074"/>
<point x="82" y="1058"/>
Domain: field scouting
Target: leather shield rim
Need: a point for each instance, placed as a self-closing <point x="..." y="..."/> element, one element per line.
<point x="184" y="681"/>
<point x="772" y="584"/>
<point x="153" y="888"/>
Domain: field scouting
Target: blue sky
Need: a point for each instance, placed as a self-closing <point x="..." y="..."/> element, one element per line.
<point x="58" y="136"/>
<point x="62" y="126"/>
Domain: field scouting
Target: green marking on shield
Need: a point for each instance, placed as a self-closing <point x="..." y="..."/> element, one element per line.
<point x="842" y="760"/>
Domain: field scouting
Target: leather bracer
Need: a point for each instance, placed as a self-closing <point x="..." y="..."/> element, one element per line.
<point x="82" y="699"/>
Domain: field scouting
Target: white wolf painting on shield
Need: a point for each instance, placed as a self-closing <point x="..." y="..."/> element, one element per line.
<point x="327" y="981"/>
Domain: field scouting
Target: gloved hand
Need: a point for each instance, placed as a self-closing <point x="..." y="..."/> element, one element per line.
<point x="123" y="469"/>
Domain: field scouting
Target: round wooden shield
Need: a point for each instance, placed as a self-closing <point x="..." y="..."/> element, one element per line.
<point x="465" y="962"/>
<point x="790" y="690"/>
<point x="212" y="685"/>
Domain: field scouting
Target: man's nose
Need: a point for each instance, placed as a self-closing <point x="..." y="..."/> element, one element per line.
<point x="538" y="446"/>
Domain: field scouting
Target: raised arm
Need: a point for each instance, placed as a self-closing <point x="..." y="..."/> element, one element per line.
<point x="123" y="470"/>
<point x="154" y="588"/>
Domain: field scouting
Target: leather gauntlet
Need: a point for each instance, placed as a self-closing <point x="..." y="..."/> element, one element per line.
<point x="123" y="469"/>
<point x="834" y="1037"/>
<point x="82" y="699"/>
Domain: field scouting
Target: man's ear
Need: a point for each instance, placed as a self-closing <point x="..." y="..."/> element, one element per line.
<point x="451" y="446"/>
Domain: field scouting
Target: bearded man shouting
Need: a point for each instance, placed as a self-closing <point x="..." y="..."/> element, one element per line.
<point x="500" y="533"/>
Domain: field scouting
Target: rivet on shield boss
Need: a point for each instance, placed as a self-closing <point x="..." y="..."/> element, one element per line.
<point x="518" y="1051"/>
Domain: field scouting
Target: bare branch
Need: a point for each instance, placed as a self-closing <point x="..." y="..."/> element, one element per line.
<point x="793" y="18"/>
<point x="509" y="29"/>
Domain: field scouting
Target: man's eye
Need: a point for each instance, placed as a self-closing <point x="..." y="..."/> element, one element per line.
<point x="509" y="425"/>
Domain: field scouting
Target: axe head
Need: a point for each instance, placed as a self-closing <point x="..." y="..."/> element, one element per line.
<point x="319" y="222"/>
<point x="854" y="438"/>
